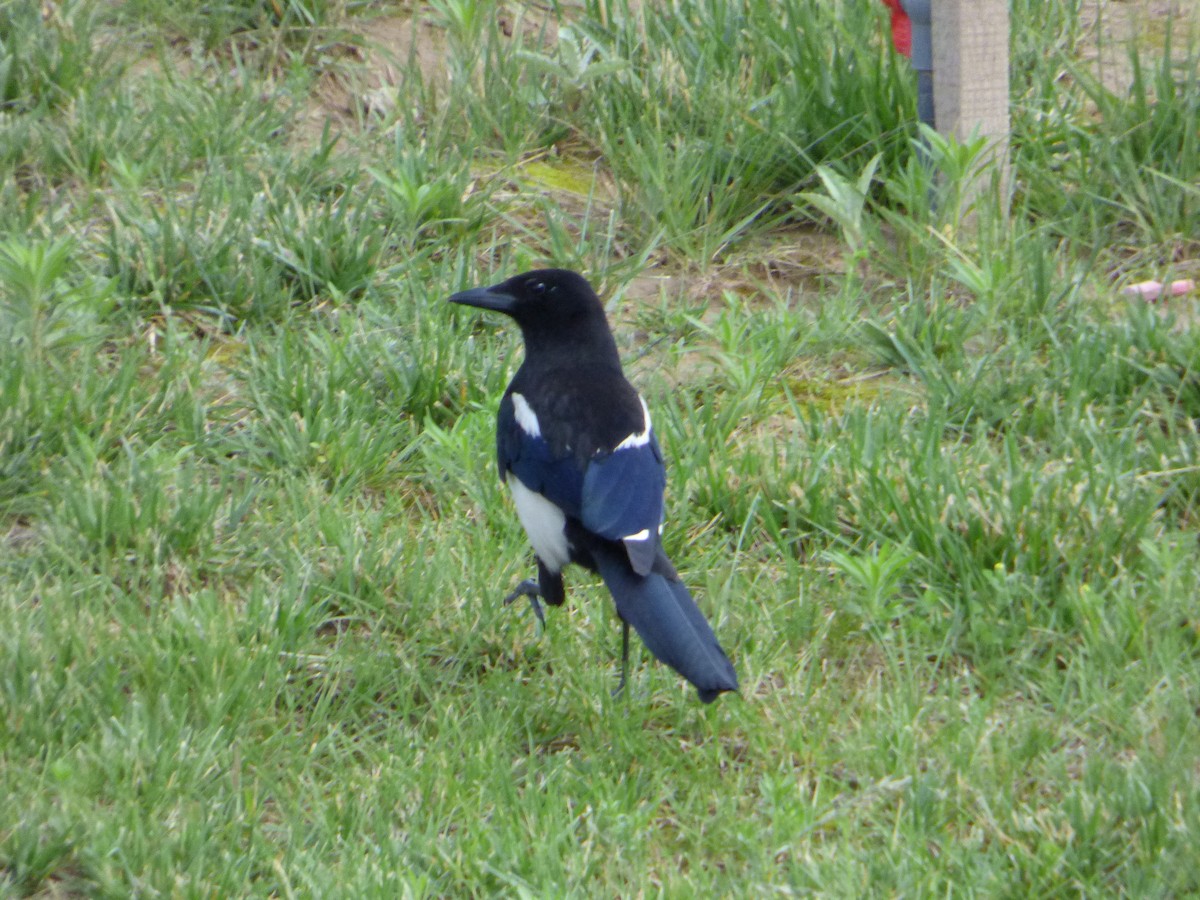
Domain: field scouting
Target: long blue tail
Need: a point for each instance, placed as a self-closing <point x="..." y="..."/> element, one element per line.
<point x="663" y="613"/>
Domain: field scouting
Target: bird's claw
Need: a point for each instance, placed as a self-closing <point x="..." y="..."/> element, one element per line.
<point x="529" y="588"/>
<point x="620" y="688"/>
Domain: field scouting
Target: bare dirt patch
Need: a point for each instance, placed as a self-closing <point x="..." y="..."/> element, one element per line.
<point x="399" y="57"/>
<point x="389" y="58"/>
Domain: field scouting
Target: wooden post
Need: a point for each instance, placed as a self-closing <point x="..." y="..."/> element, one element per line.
<point x="970" y="81"/>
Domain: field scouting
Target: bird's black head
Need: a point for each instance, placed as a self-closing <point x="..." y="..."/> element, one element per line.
<point x="553" y="304"/>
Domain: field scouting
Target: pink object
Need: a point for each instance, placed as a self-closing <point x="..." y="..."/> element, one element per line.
<point x="1152" y="290"/>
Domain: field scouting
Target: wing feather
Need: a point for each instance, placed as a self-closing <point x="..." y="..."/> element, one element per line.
<point x="623" y="500"/>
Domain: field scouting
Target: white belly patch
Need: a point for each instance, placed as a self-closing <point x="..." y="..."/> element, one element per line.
<point x="543" y="523"/>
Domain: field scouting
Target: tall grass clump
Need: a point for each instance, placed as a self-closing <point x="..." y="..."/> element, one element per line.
<point x="500" y="96"/>
<point x="56" y="67"/>
<point x="240" y="246"/>
<point x="1119" y="163"/>
<point x="50" y="55"/>
<point x="713" y="112"/>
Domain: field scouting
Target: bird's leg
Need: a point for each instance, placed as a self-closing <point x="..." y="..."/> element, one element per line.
<point x="529" y="588"/>
<point x="624" y="658"/>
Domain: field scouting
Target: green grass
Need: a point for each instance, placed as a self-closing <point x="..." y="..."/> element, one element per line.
<point x="935" y="481"/>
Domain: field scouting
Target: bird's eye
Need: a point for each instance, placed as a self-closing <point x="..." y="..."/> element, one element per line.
<point x="537" y="288"/>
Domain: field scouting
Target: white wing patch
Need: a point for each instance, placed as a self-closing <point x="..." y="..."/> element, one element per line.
<point x="526" y="417"/>
<point x="640" y="439"/>
<point x="643" y="535"/>
<point x="543" y="521"/>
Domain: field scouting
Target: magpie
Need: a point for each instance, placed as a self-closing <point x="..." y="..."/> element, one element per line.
<point x="575" y="446"/>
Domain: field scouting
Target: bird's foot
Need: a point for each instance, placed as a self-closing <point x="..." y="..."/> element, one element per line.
<point x="620" y="688"/>
<point x="529" y="588"/>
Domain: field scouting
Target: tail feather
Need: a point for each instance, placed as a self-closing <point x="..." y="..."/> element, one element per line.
<point x="665" y="616"/>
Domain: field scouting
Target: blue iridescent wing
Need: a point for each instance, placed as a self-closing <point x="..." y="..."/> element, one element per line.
<point x="623" y="499"/>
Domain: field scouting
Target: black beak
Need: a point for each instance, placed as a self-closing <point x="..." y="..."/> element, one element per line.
<point x="486" y="298"/>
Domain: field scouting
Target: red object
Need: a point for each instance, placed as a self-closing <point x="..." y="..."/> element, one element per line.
<point x="901" y="27"/>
